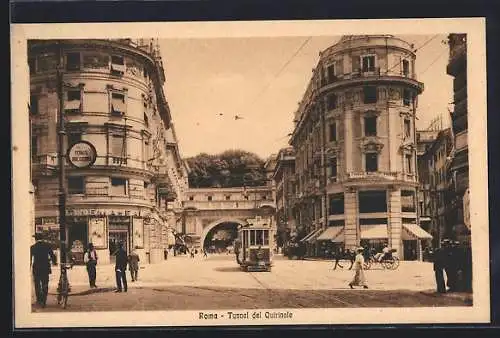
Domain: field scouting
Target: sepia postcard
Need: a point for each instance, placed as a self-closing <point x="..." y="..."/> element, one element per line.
<point x="250" y="173"/>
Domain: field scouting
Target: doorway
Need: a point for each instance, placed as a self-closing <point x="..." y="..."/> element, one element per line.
<point x="77" y="241"/>
<point x="115" y="237"/>
<point x="410" y="250"/>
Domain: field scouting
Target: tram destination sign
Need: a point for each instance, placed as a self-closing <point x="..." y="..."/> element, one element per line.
<point x="82" y="154"/>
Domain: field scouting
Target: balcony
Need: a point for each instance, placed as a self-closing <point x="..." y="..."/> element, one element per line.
<point x="461" y="140"/>
<point x="381" y="177"/>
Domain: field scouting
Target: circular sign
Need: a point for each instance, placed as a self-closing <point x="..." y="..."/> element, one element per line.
<point x="82" y="154"/>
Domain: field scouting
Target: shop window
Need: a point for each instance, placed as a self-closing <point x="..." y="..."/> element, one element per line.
<point x="372" y="201"/>
<point x="407" y="127"/>
<point x="406" y="97"/>
<point x="73" y="61"/>
<point x="73" y="101"/>
<point x="406" y="68"/>
<point x="372" y="221"/>
<point x="118" y="105"/>
<point x="76" y="185"/>
<point x="34" y="107"/>
<point x="369" y="94"/>
<point x="336" y="203"/>
<point x="371" y="162"/>
<point x="333" y="132"/>
<point x="118" y="186"/>
<point x="74" y="137"/>
<point x="331" y="102"/>
<point x="407" y="201"/>
<point x="408" y="164"/>
<point x="368" y="63"/>
<point x="370" y="126"/>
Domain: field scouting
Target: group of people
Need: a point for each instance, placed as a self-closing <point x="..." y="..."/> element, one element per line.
<point x="121" y="262"/>
<point x="455" y="261"/>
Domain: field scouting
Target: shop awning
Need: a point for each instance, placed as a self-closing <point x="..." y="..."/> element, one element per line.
<point x="330" y="233"/>
<point x="308" y="236"/>
<point x="374" y="231"/>
<point x="416" y="232"/>
<point x="314" y="236"/>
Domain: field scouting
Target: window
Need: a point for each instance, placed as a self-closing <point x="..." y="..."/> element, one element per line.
<point x="146" y="150"/>
<point x="76" y="185"/>
<point x="330" y="71"/>
<point x="371" y="162"/>
<point x="74" y="137"/>
<point x="333" y="167"/>
<point x="246" y="197"/>
<point x="73" y="101"/>
<point x="34" y="147"/>
<point x="228" y="197"/>
<point x="118" y="186"/>
<point x="34" y="109"/>
<point x="406" y="68"/>
<point x="336" y="204"/>
<point x="407" y="127"/>
<point x="117" y="65"/>
<point x="368" y="63"/>
<point x="118" y="149"/>
<point x="371" y="126"/>
<point x="372" y="201"/>
<point x="264" y="197"/>
<point x="191" y="198"/>
<point x="118" y="103"/>
<point x="146" y="121"/>
<point x="331" y="102"/>
<point x="369" y="94"/>
<point x="332" y="132"/>
<point x="407" y="201"/>
<point x="406" y="97"/>
<point x="209" y="198"/>
<point x="73" y="61"/>
<point x="408" y="165"/>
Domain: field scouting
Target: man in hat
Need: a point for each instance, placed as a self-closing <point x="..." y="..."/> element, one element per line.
<point x="41" y="255"/>
<point x="120" y="268"/>
<point x="439" y="262"/>
<point x="90" y="260"/>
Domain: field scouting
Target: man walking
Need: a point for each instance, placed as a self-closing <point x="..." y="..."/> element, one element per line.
<point x="90" y="260"/>
<point x="40" y="259"/>
<point x="120" y="268"/>
<point x="133" y="265"/>
<point x="439" y="261"/>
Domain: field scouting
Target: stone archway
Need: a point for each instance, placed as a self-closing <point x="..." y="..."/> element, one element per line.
<point x="216" y="223"/>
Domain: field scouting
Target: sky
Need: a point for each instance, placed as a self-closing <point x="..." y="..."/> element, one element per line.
<point x="261" y="80"/>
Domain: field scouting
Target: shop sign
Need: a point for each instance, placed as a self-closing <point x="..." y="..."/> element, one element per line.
<point x="138" y="230"/>
<point x="98" y="212"/>
<point x="82" y="154"/>
<point x="97" y="231"/>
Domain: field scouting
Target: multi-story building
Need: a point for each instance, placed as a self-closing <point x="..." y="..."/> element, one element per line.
<point x="284" y="178"/>
<point x="110" y="93"/>
<point x="355" y="147"/>
<point x="457" y="67"/>
<point x="437" y="178"/>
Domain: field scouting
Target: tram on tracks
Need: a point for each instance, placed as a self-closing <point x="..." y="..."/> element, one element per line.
<point x="254" y="246"/>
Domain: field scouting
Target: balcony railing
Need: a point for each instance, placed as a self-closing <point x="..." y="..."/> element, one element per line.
<point x="390" y="176"/>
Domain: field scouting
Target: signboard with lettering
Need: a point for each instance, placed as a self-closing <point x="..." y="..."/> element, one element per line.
<point x="82" y="154"/>
<point x="97" y="232"/>
<point x="138" y="229"/>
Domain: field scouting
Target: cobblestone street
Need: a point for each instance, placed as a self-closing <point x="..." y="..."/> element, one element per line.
<point x="216" y="282"/>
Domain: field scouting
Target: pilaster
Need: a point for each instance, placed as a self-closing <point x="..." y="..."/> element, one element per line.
<point x="351" y="233"/>
<point x="395" y="221"/>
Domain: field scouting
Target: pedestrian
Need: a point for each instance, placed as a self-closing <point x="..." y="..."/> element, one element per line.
<point x="191" y="252"/>
<point x="90" y="260"/>
<point x="451" y="266"/>
<point x="41" y="256"/>
<point x="205" y="253"/>
<point x="120" y="268"/>
<point x="338" y="255"/>
<point x="165" y="253"/>
<point x="133" y="265"/>
<point x="439" y="262"/>
<point x="359" y="276"/>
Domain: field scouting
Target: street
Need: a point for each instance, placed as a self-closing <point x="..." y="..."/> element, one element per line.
<point x="216" y="282"/>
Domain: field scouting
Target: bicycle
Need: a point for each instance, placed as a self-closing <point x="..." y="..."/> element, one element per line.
<point x="64" y="288"/>
<point x="390" y="263"/>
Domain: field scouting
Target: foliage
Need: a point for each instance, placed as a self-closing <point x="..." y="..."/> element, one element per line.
<point x="231" y="168"/>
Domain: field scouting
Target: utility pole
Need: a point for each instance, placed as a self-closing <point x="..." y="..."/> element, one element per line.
<point x="62" y="158"/>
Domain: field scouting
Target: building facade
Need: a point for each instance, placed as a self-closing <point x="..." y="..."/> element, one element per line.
<point x="355" y="148"/>
<point x="284" y="178"/>
<point x="112" y="98"/>
<point x="457" y="67"/>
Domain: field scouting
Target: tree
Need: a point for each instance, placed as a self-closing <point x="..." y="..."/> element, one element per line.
<point x="231" y="168"/>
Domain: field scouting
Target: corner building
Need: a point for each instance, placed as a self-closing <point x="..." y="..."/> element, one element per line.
<point x="355" y="146"/>
<point x="112" y="97"/>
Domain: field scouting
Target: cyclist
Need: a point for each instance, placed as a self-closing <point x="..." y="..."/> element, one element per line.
<point x="41" y="255"/>
<point x="385" y="254"/>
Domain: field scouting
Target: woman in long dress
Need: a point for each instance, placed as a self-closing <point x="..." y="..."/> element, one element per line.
<point x="359" y="276"/>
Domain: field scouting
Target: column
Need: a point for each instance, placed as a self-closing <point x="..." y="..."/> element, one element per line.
<point x="395" y="221"/>
<point x="351" y="234"/>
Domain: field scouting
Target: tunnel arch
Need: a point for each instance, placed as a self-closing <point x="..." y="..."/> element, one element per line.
<point x="214" y="224"/>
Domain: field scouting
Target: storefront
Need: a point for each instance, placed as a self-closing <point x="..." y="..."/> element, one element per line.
<point x="412" y="237"/>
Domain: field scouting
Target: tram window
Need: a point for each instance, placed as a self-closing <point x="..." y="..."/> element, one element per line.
<point x="245" y="239"/>
<point x="252" y="237"/>
<point x="259" y="237"/>
<point x="266" y="237"/>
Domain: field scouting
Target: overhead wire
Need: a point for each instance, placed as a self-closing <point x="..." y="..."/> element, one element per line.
<point x="417" y="49"/>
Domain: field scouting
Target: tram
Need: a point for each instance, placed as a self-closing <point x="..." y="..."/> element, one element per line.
<point x="253" y="247"/>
